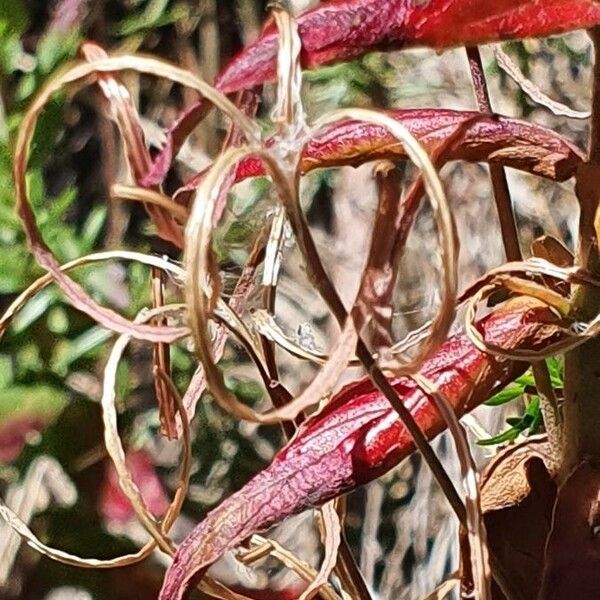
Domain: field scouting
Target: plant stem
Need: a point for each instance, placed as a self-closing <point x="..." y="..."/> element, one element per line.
<point x="325" y="287"/>
<point x="594" y="149"/>
<point x="347" y="569"/>
<point x="512" y="249"/>
<point x="327" y="290"/>
<point x="582" y="372"/>
<point x="508" y="226"/>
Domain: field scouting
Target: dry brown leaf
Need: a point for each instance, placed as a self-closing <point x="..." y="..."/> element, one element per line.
<point x="332" y="539"/>
<point x="504" y="481"/>
<point x="517" y="499"/>
<point x="123" y="112"/>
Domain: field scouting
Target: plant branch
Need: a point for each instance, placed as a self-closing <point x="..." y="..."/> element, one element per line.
<point x="323" y="283"/>
<point x="325" y="287"/>
<point x="594" y="147"/>
<point x="508" y="226"/>
<point x="512" y="249"/>
<point x="582" y="378"/>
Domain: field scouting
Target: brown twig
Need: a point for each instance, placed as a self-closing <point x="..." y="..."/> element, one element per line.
<point x="161" y="358"/>
<point x="323" y="283"/>
<point x="508" y="226"/>
<point x="510" y="240"/>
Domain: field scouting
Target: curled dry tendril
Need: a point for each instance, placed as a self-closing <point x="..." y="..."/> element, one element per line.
<point x="209" y="318"/>
<point x="200" y="273"/>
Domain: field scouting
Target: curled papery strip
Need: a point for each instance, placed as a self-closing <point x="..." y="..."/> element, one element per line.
<point x="332" y="537"/>
<point x="474" y="518"/>
<point x="263" y="547"/>
<point x="442" y="213"/>
<point x="32" y="540"/>
<point x="289" y="192"/>
<point x="83" y="73"/>
<point x="243" y="289"/>
<point x="46" y="280"/>
<point x="497" y="279"/>
<point x="229" y="318"/>
<point x="139" y="194"/>
<point x="577" y="334"/>
<point x="123" y="112"/>
<point x="532" y="267"/>
<point x="174" y="509"/>
<point x="200" y="291"/>
<point x="116" y="452"/>
<point x="198" y="263"/>
<point x="525" y="287"/>
<point x="274" y="248"/>
<point x="442" y="591"/>
<point x="288" y="112"/>
<point x="112" y="440"/>
<point x="23" y="530"/>
<point x="507" y="64"/>
<point x="268" y="327"/>
<point x="411" y="339"/>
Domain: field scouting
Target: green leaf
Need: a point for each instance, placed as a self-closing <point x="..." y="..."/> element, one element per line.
<point x="59" y="206"/>
<point x="13" y="17"/>
<point x="238" y="233"/>
<point x="123" y="386"/>
<point x="15" y="266"/>
<point x="155" y="14"/>
<point x="92" y="228"/>
<point x="520" y="423"/>
<point x="7" y="374"/>
<point x="48" y="131"/>
<point x="246" y="390"/>
<point x="243" y="203"/>
<point x="69" y="351"/>
<point x="533" y="408"/>
<point x="508" y="394"/>
<point x="556" y="368"/>
<point x="54" y="48"/>
<point x="526" y="380"/>
<point x="26" y="87"/>
<point x="58" y="320"/>
<point x="40" y="400"/>
<point x="518" y="387"/>
<point x="507" y="436"/>
<point x="12" y="54"/>
<point x="536" y="422"/>
<point x="34" y="309"/>
<point x="531" y="421"/>
<point x="28" y="361"/>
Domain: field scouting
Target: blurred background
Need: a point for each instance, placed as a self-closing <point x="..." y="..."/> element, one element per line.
<point x="54" y="470"/>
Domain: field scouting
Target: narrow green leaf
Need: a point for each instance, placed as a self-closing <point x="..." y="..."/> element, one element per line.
<point x="507" y="436"/>
<point x="508" y="394"/>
